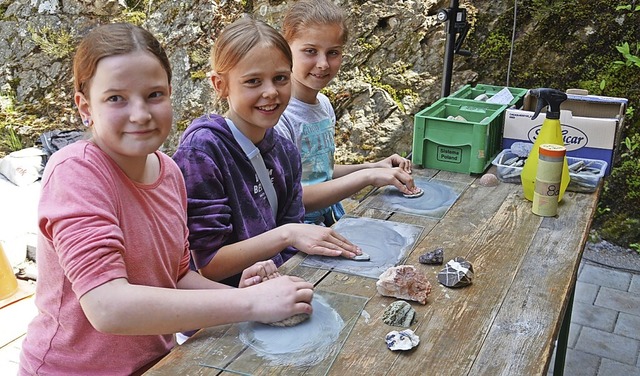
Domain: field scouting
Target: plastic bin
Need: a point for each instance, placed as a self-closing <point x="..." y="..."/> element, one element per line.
<point x="580" y="182"/>
<point x="442" y="141"/>
<point x="467" y="92"/>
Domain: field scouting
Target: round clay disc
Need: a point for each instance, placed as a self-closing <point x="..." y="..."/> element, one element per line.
<point x="414" y="195"/>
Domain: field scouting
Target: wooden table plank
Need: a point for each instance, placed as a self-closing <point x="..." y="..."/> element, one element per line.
<point x="505" y="323"/>
<point x="547" y="277"/>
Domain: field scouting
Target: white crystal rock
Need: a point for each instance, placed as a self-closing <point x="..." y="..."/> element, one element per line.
<point x="402" y="340"/>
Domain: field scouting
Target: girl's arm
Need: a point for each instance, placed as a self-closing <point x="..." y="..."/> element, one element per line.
<point x="118" y="307"/>
<point x="343" y="185"/>
<point x="392" y="161"/>
<point x="311" y="239"/>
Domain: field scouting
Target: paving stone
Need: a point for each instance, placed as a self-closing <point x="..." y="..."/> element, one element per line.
<point x="635" y="284"/>
<point x="610" y="367"/>
<point x="612" y="278"/>
<point x="586" y="292"/>
<point x="594" y="316"/>
<point x="574" y="332"/>
<point x="578" y="360"/>
<point x="618" y="300"/>
<point x="628" y="325"/>
<point x="608" y="345"/>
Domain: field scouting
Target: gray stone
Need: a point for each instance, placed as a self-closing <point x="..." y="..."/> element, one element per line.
<point x="586" y="292"/>
<point x="399" y="313"/>
<point x="594" y="316"/>
<point x="607" y="345"/>
<point x="627" y="325"/>
<point x="606" y="277"/>
<point x="618" y="300"/>
<point x="456" y="273"/>
<point x="435" y="257"/>
<point x="610" y="367"/>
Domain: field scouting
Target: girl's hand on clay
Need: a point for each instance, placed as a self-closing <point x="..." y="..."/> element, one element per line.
<point x="399" y="178"/>
<point x="258" y="272"/>
<point x="279" y="298"/>
<point x="323" y="241"/>
<point x="395" y="161"/>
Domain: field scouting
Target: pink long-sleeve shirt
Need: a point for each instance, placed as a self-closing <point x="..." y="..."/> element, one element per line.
<point x="97" y="225"/>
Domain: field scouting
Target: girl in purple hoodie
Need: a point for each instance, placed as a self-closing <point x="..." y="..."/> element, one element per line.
<point x="230" y="218"/>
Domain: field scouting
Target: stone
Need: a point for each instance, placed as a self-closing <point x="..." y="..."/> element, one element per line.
<point x="419" y="192"/>
<point x="362" y="257"/>
<point x="402" y="340"/>
<point x="399" y="313"/>
<point x="456" y="273"/>
<point x="521" y="149"/>
<point x="488" y="180"/>
<point x="404" y="282"/>
<point x="292" y="321"/>
<point x="435" y="257"/>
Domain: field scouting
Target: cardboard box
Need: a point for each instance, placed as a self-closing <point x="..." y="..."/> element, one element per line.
<point x="591" y="125"/>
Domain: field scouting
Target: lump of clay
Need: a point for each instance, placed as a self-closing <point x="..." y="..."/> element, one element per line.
<point x="399" y="313"/>
<point x="402" y="340"/>
<point x="456" y="273"/>
<point x="435" y="257"/>
<point x="292" y="321"/>
<point x="404" y="282"/>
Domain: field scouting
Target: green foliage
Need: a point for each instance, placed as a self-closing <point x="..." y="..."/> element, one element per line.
<point x="56" y="43"/>
<point x="9" y="139"/>
<point x="629" y="57"/>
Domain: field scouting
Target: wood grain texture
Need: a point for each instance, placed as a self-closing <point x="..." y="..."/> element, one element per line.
<point x="504" y="323"/>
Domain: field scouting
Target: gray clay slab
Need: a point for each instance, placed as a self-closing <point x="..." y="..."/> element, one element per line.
<point x="386" y="242"/>
<point x="438" y="197"/>
<point x="306" y="349"/>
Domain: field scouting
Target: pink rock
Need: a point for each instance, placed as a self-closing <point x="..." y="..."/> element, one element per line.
<point x="404" y="282"/>
<point x="488" y="180"/>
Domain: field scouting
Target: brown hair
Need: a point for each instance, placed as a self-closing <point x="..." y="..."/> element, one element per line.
<point x="109" y="40"/>
<point x="307" y="13"/>
<point x="240" y="37"/>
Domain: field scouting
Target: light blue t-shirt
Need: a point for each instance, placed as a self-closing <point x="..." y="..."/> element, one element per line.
<point x="311" y="127"/>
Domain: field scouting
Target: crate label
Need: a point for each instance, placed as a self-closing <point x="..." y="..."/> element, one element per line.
<point x="449" y="154"/>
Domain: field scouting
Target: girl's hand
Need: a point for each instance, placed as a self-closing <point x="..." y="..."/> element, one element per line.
<point x="394" y="161"/>
<point x="279" y="298"/>
<point x="399" y="178"/>
<point x="319" y="240"/>
<point x="258" y="272"/>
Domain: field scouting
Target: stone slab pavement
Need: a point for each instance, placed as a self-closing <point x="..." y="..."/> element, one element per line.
<point x="604" y="335"/>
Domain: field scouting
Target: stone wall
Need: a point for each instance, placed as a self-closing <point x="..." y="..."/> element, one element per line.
<point x="392" y="68"/>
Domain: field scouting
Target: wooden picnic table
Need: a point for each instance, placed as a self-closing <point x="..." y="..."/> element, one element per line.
<point x="505" y="323"/>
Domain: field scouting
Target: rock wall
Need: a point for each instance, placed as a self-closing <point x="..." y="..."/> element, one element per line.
<point x="392" y="69"/>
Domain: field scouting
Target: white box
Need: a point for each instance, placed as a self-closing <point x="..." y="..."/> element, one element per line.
<point x="591" y="126"/>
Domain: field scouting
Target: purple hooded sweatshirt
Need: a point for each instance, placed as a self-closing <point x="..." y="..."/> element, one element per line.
<point x="226" y="202"/>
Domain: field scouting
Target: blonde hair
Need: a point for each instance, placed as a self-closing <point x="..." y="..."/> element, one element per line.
<point x="240" y="37"/>
<point x="307" y="13"/>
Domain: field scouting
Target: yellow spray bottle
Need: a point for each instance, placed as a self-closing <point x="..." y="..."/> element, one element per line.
<point x="550" y="133"/>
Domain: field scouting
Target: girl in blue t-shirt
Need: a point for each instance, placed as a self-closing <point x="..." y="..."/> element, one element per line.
<point x="316" y="32"/>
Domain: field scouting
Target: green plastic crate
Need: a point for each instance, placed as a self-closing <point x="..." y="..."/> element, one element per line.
<point x="467" y="92"/>
<point x="455" y="145"/>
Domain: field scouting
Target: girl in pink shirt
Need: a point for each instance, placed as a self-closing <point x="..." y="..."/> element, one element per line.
<point x="113" y="257"/>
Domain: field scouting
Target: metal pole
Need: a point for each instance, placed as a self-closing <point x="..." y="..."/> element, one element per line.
<point x="449" y="48"/>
